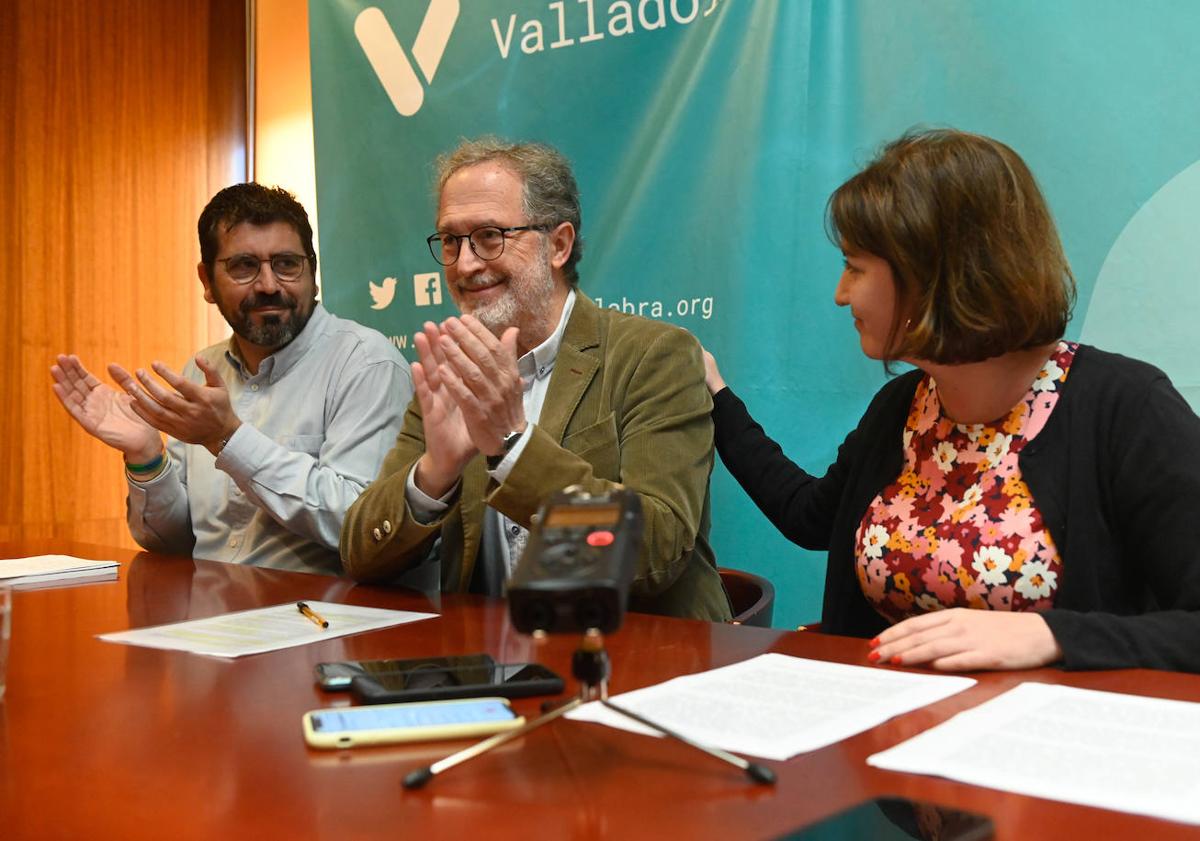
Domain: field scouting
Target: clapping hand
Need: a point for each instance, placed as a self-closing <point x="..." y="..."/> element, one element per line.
<point x="480" y="373"/>
<point x="448" y="445"/>
<point x="190" y="412"/>
<point x="103" y="411"/>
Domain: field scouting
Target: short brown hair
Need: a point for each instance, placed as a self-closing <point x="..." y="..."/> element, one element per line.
<point x="978" y="264"/>
<point x="551" y="194"/>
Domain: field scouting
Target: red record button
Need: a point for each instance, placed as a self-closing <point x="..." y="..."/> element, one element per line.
<point x="600" y="538"/>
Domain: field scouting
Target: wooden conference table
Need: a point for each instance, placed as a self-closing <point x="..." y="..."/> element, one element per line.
<point x="106" y="741"/>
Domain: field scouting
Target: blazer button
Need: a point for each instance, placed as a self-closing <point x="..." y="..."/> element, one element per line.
<point x="377" y="535"/>
<point x="387" y="526"/>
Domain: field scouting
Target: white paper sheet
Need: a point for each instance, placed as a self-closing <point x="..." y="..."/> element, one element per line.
<point x="1104" y="749"/>
<point x="52" y="570"/>
<point x="775" y="706"/>
<point x="264" y="629"/>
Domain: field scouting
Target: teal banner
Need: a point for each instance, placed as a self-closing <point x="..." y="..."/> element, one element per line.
<point x="707" y="136"/>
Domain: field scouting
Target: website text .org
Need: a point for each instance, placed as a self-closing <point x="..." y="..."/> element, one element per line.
<point x="701" y="306"/>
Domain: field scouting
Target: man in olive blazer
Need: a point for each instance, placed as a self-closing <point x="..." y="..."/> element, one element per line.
<point x="533" y="389"/>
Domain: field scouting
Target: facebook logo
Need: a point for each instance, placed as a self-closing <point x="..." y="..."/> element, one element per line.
<point x="427" y="289"/>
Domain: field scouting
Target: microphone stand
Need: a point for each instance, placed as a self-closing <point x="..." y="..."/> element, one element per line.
<point x="590" y="666"/>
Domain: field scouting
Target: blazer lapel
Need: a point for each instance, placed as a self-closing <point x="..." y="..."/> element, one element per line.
<point x="574" y="368"/>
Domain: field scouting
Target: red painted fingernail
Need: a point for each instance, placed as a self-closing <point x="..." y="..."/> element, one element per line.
<point x="895" y="661"/>
<point x="873" y="656"/>
<point x="875" y="643"/>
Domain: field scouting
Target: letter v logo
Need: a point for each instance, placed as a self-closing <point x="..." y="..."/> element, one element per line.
<point x="387" y="57"/>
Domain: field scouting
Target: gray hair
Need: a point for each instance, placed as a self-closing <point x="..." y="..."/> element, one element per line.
<point x="551" y="195"/>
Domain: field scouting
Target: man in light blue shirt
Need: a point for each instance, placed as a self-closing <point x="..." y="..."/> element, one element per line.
<point x="271" y="434"/>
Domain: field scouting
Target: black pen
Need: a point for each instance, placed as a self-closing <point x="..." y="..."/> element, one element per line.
<point x="311" y="614"/>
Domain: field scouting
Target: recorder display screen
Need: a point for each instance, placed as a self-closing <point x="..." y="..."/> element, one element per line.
<point x="582" y="515"/>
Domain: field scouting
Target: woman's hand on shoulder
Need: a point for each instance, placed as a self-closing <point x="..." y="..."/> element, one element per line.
<point x="712" y="377"/>
<point x="961" y="640"/>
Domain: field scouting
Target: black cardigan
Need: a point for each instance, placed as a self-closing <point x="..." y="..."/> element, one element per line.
<point x="1115" y="474"/>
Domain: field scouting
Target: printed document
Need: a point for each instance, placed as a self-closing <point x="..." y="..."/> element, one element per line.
<point x="775" y="706"/>
<point x="1104" y="749"/>
<point x="54" y="570"/>
<point x="264" y="629"/>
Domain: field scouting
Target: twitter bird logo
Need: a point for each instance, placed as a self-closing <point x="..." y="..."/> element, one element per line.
<point x="382" y="295"/>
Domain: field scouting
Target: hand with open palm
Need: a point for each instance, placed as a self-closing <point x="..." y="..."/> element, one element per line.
<point x="104" y="412"/>
<point x="448" y="445"/>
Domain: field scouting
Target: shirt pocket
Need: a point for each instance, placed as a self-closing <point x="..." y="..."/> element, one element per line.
<point x="598" y="446"/>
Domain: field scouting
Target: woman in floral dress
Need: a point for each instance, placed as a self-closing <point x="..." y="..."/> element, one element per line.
<point x="1017" y="500"/>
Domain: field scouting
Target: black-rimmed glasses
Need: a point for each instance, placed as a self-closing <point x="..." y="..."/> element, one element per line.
<point x="244" y="268"/>
<point x="487" y="242"/>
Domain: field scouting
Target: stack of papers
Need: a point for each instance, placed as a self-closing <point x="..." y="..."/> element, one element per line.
<point x="775" y="706"/>
<point x="1101" y="749"/>
<point x="54" y="571"/>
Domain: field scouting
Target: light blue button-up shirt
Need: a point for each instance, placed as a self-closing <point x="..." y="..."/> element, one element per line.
<point x="317" y="420"/>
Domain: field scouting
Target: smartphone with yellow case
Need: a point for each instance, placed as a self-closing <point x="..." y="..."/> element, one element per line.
<point x="386" y="724"/>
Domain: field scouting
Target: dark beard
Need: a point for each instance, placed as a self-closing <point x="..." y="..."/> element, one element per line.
<point x="274" y="332"/>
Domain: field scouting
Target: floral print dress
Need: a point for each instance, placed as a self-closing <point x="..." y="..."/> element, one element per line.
<point x="959" y="527"/>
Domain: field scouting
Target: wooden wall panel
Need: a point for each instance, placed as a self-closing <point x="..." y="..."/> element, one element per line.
<point x="118" y="120"/>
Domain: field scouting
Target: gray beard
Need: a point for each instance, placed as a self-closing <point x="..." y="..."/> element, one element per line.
<point x="524" y="306"/>
<point x="499" y="315"/>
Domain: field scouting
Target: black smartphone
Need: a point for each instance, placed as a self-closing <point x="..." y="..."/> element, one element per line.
<point x="888" y="818"/>
<point x="337" y="675"/>
<point x="437" y="682"/>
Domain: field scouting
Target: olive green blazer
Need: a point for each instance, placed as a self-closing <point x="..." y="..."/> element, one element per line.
<point x="626" y="403"/>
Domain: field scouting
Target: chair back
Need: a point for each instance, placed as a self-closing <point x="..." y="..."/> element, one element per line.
<point x="752" y="597"/>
